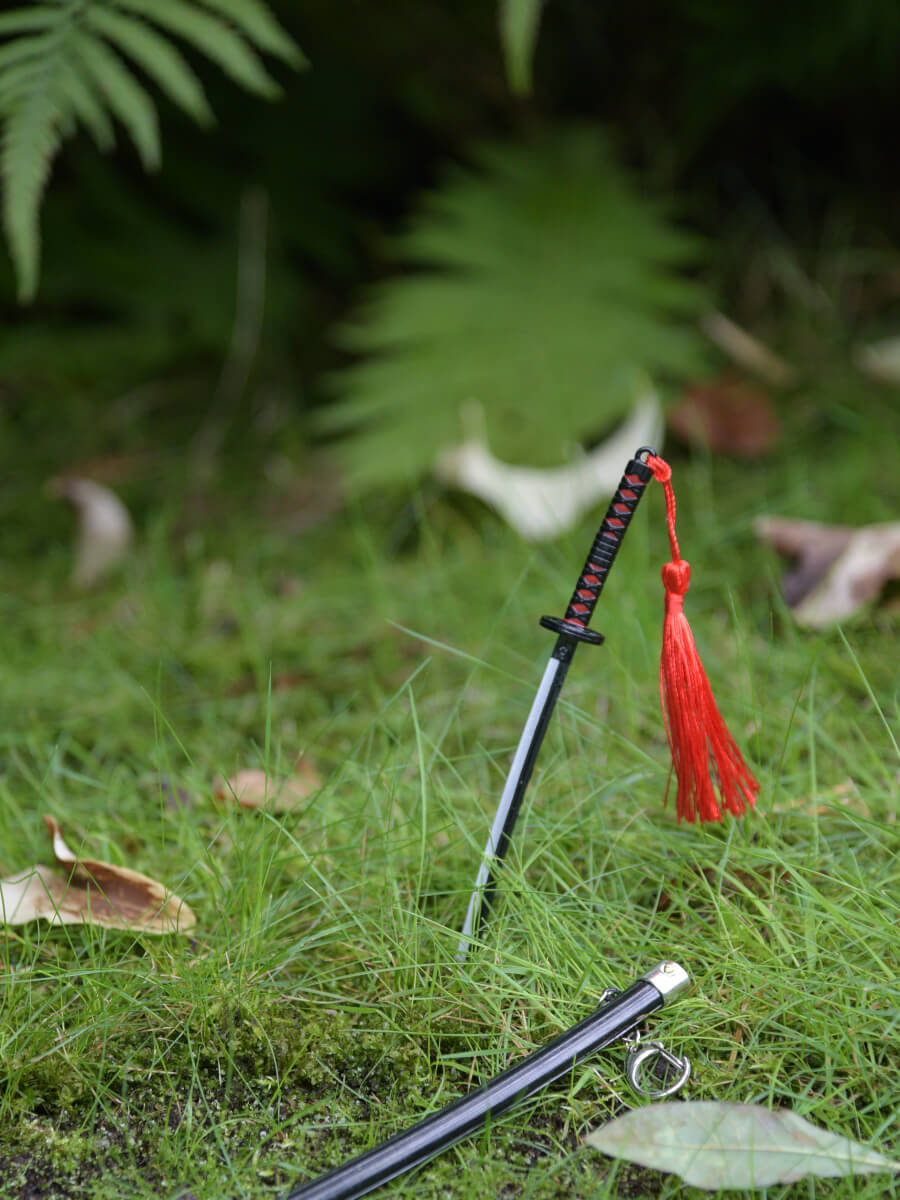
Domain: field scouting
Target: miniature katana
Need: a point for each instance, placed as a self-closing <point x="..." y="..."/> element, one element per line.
<point x="571" y="630"/>
<point x="709" y="769"/>
<point x="705" y="758"/>
<point x="618" y="1015"/>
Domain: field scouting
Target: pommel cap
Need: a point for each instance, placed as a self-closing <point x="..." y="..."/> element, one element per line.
<point x="669" y="979"/>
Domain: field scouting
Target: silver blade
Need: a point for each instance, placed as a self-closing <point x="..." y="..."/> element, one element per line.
<point x="490" y="851"/>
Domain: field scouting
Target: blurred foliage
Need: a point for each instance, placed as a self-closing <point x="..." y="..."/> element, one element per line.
<point x="519" y="22"/>
<point x="766" y="131"/>
<point x="62" y="66"/>
<point x="550" y="281"/>
<point x="799" y="49"/>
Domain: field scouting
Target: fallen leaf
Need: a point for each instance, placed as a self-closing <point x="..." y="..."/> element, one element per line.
<point x="880" y="360"/>
<point x="839" y="569"/>
<point x="747" y="351"/>
<point x="160" y="786"/>
<point x="727" y="416"/>
<point x="539" y="503"/>
<point x="105" y="531"/>
<point x="253" y="788"/>
<point x="731" y="885"/>
<point x="713" y="1145"/>
<point x="845" y="795"/>
<point x="91" y="893"/>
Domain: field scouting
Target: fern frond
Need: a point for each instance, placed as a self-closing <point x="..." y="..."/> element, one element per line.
<point x="31" y="139"/>
<point x="71" y="63"/>
<point x="156" y="56"/>
<point x="257" y="24"/>
<point x="38" y="114"/>
<point x="87" y="108"/>
<point x="26" y="49"/>
<point x="124" y="95"/>
<point x="551" y="280"/>
<point x="213" y="38"/>
<point x="24" y="20"/>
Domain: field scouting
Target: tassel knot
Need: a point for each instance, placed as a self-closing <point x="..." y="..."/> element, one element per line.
<point x="705" y="757"/>
<point x="676" y="577"/>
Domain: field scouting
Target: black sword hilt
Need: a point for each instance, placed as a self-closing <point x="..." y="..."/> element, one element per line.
<point x="603" y="552"/>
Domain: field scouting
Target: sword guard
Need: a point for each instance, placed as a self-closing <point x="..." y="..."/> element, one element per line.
<point x="570" y="629"/>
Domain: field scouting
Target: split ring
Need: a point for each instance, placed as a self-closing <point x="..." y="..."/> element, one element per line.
<point x="644" y="1054"/>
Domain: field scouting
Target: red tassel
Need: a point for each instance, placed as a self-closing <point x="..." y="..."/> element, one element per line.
<point x="704" y="755"/>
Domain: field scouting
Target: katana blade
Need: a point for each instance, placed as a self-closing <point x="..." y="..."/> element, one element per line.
<point x="570" y="629"/>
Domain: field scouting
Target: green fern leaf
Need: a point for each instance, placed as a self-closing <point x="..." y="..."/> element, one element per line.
<point x="16" y="82"/>
<point x="211" y="36"/>
<point x="124" y="95"/>
<point x="156" y="56"/>
<point x="62" y="66"/>
<point x="256" y="22"/>
<point x="31" y="139"/>
<point x="552" y="281"/>
<point x="23" y="20"/>
<point x="87" y="108"/>
<point x="26" y="49"/>
<point x="37" y="115"/>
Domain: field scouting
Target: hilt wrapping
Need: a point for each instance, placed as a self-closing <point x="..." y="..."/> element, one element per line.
<point x="603" y="552"/>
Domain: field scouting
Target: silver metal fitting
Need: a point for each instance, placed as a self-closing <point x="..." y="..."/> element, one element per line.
<point x="643" y="1056"/>
<point x="669" y="979"/>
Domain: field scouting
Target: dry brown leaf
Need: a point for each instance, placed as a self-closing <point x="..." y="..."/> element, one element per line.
<point x="846" y="795"/>
<point x="252" y="788"/>
<point x="287" y="681"/>
<point x="838" y="569"/>
<point x="91" y="893"/>
<point x="728" y="416"/>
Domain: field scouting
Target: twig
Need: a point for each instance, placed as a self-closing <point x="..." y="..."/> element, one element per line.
<point x="746" y="351"/>
<point x="245" y="334"/>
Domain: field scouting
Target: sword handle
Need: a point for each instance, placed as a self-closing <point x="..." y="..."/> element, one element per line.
<point x="603" y="552"/>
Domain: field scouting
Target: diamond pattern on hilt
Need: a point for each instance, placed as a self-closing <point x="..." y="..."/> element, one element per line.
<point x="606" y="544"/>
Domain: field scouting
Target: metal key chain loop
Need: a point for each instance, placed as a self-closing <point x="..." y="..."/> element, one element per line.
<point x="642" y="1055"/>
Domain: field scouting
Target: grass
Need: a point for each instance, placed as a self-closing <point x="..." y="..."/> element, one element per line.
<point x="317" y="1005"/>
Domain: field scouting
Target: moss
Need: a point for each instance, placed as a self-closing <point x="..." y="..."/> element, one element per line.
<point x="241" y="1075"/>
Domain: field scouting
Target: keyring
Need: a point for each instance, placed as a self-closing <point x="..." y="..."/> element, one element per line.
<point x="641" y="1054"/>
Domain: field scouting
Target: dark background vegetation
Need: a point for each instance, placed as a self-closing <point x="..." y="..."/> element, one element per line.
<point x="772" y="125"/>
